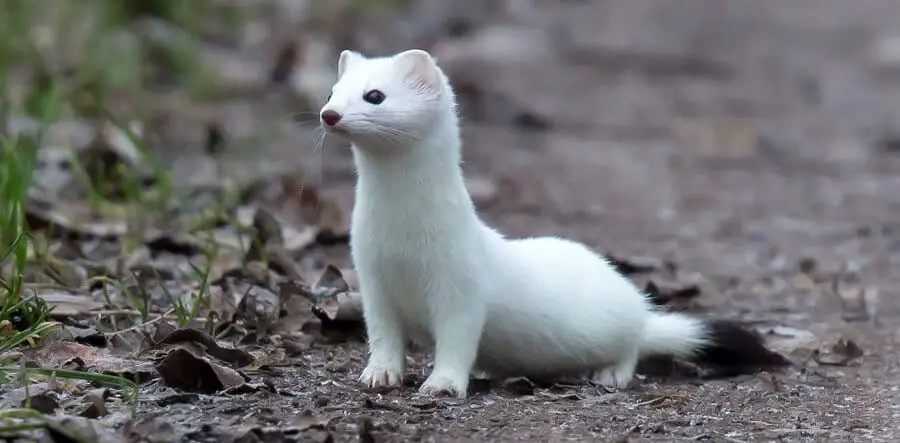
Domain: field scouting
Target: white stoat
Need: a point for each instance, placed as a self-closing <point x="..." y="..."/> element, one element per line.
<point x="428" y="267"/>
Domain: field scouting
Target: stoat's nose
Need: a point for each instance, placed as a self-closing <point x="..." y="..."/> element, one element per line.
<point x="330" y="117"/>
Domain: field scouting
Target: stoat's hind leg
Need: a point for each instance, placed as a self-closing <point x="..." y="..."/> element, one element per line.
<point x="619" y="374"/>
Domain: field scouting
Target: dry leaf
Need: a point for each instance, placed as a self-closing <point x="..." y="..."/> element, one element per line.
<point x="519" y="386"/>
<point x="287" y="60"/>
<point x="858" y="302"/>
<point x="268" y="232"/>
<point x="96" y="407"/>
<point x="331" y="278"/>
<point x="182" y="369"/>
<point x="203" y="343"/>
<point x="63" y="428"/>
<point x="364" y="430"/>
<point x="259" y="308"/>
<point x="307" y="420"/>
<point x="73" y="219"/>
<point x="69" y="304"/>
<point x="842" y="353"/>
<point x="787" y="339"/>
<point x="326" y="214"/>
<point x="344" y="307"/>
<point x="89" y="359"/>
<point x="335" y="303"/>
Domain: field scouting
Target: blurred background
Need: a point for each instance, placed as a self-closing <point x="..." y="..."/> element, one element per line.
<point x="753" y="144"/>
<point x="692" y="119"/>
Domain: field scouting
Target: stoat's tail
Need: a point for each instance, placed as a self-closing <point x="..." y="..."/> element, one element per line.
<point x="724" y="344"/>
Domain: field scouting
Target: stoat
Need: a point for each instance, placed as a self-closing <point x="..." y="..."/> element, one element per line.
<point x="429" y="267"/>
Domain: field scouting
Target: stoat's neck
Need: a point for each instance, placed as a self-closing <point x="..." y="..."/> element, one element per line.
<point x="422" y="187"/>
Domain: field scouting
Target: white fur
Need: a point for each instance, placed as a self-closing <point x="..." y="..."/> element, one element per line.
<point x="429" y="268"/>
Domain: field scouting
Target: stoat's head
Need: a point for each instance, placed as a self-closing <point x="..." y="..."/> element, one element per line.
<point x="387" y="103"/>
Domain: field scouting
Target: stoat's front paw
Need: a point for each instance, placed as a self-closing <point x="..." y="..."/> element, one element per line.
<point x="446" y="384"/>
<point x="382" y="375"/>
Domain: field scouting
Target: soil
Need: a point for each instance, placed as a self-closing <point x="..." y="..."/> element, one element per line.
<point x="754" y="144"/>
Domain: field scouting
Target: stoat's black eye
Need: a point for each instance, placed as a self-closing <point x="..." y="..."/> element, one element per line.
<point x="329" y="97"/>
<point x="374" y="97"/>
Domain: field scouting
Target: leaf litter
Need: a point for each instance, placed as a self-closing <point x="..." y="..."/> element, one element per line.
<point x="134" y="295"/>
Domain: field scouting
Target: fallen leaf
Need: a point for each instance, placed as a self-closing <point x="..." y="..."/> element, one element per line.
<point x="237" y="358"/>
<point x="655" y="400"/>
<point x="62" y="428"/>
<point x="326" y="214"/>
<point x="156" y="332"/>
<point x="248" y="388"/>
<point x="553" y="396"/>
<point x="173" y="399"/>
<point x="477" y="385"/>
<point x="308" y="420"/>
<point x="787" y="339"/>
<point x="69" y="304"/>
<point x="858" y="302"/>
<point x="215" y="139"/>
<point x="842" y="353"/>
<point x="173" y="243"/>
<point x="519" y="386"/>
<point x="46" y="402"/>
<point x="808" y="265"/>
<point x="17" y="397"/>
<point x="342" y="308"/>
<point x="68" y="274"/>
<point x="182" y="369"/>
<point x="331" y="279"/>
<point x="85" y="336"/>
<point x="96" y="407"/>
<point x="296" y="308"/>
<point x="71" y="219"/>
<point x="364" y="430"/>
<point x="287" y="60"/>
<point x="766" y="382"/>
<point x="223" y="303"/>
<point x="259" y="308"/>
<point x="68" y="355"/>
<point x="335" y="304"/>
<point x="268" y="232"/>
<point x="53" y="172"/>
<point x="268" y="356"/>
<point x="303" y="215"/>
<point x="112" y="161"/>
<point x="152" y="429"/>
<point x="304" y="427"/>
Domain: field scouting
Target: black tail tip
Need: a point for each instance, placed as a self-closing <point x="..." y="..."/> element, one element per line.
<point x="737" y="350"/>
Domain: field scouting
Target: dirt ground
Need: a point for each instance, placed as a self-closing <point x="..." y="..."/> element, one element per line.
<point x="755" y="146"/>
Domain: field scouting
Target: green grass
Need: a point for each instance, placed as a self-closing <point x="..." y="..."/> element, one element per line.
<point x="83" y="68"/>
<point x="23" y="316"/>
<point x="25" y="418"/>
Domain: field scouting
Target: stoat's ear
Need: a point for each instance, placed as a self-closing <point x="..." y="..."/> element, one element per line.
<point x="420" y="67"/>
<point x="347" y="59"/>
